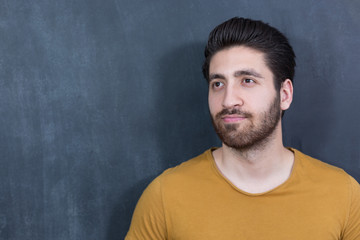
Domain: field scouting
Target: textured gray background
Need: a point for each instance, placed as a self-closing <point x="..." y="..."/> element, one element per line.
<point x="99" y="97"/>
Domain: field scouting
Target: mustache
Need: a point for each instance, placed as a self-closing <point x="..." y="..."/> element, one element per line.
<point x="233" y="111"/>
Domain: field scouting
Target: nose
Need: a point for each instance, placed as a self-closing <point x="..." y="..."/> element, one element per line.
<point x="232" y="98"/>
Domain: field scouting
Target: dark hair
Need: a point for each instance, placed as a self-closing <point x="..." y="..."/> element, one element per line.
<point x="279" y="55"/>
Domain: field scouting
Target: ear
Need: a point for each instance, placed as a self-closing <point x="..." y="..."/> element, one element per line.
<point x="286" y="94"/>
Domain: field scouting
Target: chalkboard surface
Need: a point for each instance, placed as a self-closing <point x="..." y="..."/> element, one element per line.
<point x="99" y="97"/>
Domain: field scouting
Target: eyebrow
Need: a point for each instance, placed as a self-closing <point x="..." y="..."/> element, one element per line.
<point x="244" y="72"/>
<point x="216" y="76"/>
<point x="248" y="72"/>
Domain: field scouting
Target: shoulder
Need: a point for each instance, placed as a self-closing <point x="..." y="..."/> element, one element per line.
<point x="333" y="187"/>
<point x="188" y="172"/>
<point x="164" y="194"/>
<point x="318" y="170"/>
<point x="193" y="168"/>
<point x="322" y="177"/>
<point x="182" y="183"/>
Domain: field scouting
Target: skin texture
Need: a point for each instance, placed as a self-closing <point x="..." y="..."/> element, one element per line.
<point x="246" y="109"/>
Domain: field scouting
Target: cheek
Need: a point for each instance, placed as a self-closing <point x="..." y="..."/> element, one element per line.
<point x="214" y="104"/>
<point x="263" y="101"/>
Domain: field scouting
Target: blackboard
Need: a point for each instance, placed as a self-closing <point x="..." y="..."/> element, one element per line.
<point x="99" y="97"/>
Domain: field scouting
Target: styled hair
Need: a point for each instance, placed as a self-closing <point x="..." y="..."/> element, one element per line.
<point x="279" y="55"/>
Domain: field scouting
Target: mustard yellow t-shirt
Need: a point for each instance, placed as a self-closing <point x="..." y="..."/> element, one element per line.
<point x="194" y="201"/>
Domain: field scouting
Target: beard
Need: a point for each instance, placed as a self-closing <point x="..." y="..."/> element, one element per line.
<point x="251" y="136"/>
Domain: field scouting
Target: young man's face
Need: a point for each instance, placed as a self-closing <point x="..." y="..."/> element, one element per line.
<point x="243" y="102"/>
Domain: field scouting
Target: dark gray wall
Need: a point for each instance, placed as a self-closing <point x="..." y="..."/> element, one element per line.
<point x="99" y="97"/>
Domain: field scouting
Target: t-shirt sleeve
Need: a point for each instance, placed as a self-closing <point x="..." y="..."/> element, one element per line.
<point x="148" y="221"/>
<point x="352" y="228"/>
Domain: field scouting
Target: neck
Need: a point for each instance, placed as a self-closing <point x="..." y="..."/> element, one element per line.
<point x="258" y="168"/>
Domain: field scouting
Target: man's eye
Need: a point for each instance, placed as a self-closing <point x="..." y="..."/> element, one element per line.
<point x="218" y="84"/>
<point x="247" y="80"/>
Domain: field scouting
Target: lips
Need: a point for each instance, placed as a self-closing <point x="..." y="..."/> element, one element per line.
<point x="232" y="115"/>
<point x="232" y="118"/>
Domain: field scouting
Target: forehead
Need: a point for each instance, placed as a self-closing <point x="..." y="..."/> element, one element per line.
<point x="237" y="58"/>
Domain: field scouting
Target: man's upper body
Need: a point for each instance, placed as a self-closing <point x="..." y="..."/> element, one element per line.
<point x="196" y="201"/>
<point x="252" y="187"/>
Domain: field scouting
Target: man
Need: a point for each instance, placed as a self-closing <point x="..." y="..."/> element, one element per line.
<point x="252" y="187"/>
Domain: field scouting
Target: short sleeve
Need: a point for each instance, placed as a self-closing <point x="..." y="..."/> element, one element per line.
<point x="148" y="221"/>
<point x="352" y="228"/>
